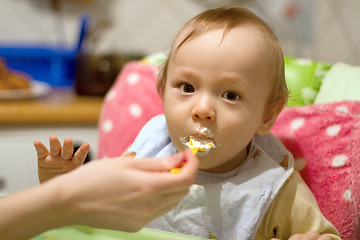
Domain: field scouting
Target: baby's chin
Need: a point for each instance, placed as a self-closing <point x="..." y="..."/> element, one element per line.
<point x="206" y="163"/>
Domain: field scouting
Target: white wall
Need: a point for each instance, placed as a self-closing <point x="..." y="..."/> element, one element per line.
<point x="133" y="25"/>
<point x="18" y="162"/>
<point x="336" y="31"/>
<point x="322" y="30"/>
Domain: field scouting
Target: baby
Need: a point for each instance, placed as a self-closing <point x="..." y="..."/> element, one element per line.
<point x="223" y="83"/>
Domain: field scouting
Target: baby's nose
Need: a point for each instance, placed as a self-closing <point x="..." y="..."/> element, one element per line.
<point x="204" y="109"/>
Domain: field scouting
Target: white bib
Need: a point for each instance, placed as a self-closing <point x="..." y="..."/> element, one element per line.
<point x="226" y="206"/>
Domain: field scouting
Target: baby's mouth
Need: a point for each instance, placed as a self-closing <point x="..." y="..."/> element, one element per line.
<point x="200" y="141"/>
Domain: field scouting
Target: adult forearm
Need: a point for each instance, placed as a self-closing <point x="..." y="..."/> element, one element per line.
<point x="29" y="213"/>
<point x="122" y="194"/>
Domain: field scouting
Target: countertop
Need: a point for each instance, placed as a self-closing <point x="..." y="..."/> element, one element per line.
<point x="61" y="106"/>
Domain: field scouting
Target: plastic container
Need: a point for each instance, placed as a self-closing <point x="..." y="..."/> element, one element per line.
<point x="88" y="233"/>
<point x="53" y="65"/>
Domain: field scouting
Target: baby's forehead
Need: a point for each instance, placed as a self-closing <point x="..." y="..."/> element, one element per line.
<point x="250" y="29"/>
<point x="241" y="40"/>
<point x="242" y="50"/>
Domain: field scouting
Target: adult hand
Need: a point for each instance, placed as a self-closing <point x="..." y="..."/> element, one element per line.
<point x="120" y="193"/>
<point x="125" y="193"/>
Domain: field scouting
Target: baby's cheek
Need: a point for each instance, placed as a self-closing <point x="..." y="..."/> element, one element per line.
<point x="176" y="140"/>
<point x="234" y="149"/>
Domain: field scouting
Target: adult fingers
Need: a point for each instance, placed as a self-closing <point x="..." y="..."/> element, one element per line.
<point x="191" y="165"/>
<point x="165" y="181"/>
<point x="165" y="164"/>
<point x="55" y="146"/>
<point x="155" y="164"/>
<point x="80" y="155"/>
<point x="186" y="176"/>
<point x="162" y="204"/>
<point x="68" y="149"/>
<point x="166" y="207"/>
<point x="171" y="184"/>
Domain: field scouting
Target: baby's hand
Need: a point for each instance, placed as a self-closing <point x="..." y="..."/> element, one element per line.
<point x="308" y="236"/>
<point x="60" y="159"/>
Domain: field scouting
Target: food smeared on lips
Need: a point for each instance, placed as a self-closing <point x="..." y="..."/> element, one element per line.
<point x="198" y="144"/>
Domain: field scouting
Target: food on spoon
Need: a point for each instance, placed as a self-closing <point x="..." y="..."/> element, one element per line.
<point x="177" y="170"/>
<point x="196" y="146"/>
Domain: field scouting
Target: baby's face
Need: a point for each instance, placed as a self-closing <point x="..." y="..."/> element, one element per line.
<point x="222" y="87"/>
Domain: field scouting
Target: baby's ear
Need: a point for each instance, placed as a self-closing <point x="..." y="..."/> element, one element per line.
<point x="270" y="116"/>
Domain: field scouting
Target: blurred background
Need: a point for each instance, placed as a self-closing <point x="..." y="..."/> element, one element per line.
<point x="317" y="29"/>
<point x="73" y="50"/>
<point x="117" y="31"/>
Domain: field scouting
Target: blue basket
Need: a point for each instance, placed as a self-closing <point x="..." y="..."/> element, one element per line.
<point x="54" y="65"/>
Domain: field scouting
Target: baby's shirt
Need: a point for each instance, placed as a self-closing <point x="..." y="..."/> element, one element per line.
<point x="294" y="210"/>
<point x="243" y="203"/>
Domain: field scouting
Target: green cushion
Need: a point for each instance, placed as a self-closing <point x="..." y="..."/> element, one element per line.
<point x="342" y="82"/>
<point x="88" y="233"/>
<point x="156" y="59"/>
<point x="303" y="78"/>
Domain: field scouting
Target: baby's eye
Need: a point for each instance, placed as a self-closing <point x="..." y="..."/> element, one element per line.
<point x="187" y="88"/>
<point x="231" y="96"/>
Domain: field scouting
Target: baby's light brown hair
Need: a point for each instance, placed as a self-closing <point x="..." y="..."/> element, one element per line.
<point x="228" y="18"/>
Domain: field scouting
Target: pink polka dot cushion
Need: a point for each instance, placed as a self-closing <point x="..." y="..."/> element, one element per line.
<point x="129" y="104"/>
<point x="325" y="142"/>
